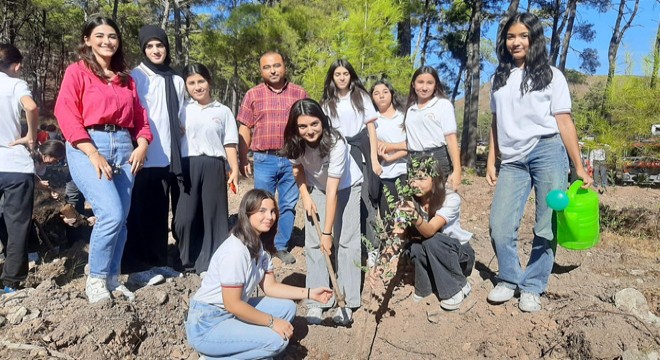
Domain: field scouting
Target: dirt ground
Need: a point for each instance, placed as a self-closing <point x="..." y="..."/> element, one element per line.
<point x="579" y="320"/>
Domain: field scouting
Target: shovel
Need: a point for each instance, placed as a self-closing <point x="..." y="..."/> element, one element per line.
<point x="341" y="300"/>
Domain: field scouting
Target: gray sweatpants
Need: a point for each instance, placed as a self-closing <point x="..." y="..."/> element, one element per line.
<point x="346" y="246"/>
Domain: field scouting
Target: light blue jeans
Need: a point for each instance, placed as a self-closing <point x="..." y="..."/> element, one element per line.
<point x="544" y="169"/>
<point x="272" y="172"/>
<point x="218" y="334"/>
<point x="110" y="199"/>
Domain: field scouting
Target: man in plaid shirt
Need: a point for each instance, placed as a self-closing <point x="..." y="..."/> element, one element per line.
<point x="263" y="116"/>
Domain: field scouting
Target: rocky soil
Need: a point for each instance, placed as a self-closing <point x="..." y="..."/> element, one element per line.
<point x="601" y="303"/>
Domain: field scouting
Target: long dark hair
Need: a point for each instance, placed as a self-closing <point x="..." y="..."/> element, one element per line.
<point x="250" y="204"/>
<point x="438" y="192"/>
<point x="537" y="72"/>
<point x="53" y="148"/>
<point x="117" y="62"/>
<point x="396" y="102"/>
<point x="294" y="145"/>
<point x="9" y="54"/>
<point x="331" y="95"/>
<point x="439" y="88"/>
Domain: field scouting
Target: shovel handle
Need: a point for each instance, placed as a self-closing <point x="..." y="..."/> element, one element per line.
<point x="333" y="278"/>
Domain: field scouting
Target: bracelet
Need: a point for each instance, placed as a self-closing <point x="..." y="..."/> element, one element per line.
<point x="307" y="293"/>
<point x="270" y="322"/>
<point x="93" y="152"/>
<point x="325" y="233"/>
<point x="419" y="218"/>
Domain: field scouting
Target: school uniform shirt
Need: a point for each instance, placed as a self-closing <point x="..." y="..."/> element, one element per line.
<point x="232" y="267"/>
<point x="338" y="164"/>
<point x="391" y="131"/>
<point x="151" y="90"/>
<point x="451" y="212"/>
<point x="14" y="159"/>
<point x="523" y="119"/>
<point x="350" y="121"/>
<point x="427" y="127"/>
<point x="207" y="130"/>
<point x="85" y="100"/>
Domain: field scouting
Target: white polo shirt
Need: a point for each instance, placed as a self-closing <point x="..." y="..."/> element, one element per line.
<point x="523" y="119"/>
<point x="391" y="131"/>
<point x="451" y="212"/>
<point x="15" y="159"/>
<point x="151" y="90"/>
<point x="338" y="164"/>
<point x="208" y="130"/>
<point x="427" y="127"/>
<point x="349" y="121"/>
<point x="232" y="266"/>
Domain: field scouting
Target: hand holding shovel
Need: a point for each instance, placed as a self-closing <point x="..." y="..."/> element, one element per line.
<point x="333" y="278"/>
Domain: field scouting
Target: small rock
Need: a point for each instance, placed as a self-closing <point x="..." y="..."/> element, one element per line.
<point x="177" y="354"/>
<point x="2" y="320"/>
<point x="467" y="346"/>
<point x="107" y="336"/>
<point x="161" y="297"/>
<point x="639" y="281"/>
<point x="45" y="285"/>
<point x="634" y="354"/>
<point x="47" y="338"/>
<point x="633" y="301"/>
<point x="17" y="316"/>
<point x="33" y="314"/>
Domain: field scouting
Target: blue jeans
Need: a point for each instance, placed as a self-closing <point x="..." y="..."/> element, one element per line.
<point x="544" y="169"/>
<point x="273" y="172"/>
<point x="110" y="199"/>
<point x="218" y="334"/>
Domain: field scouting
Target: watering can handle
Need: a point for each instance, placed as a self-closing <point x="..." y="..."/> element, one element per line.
<point x="573" y="189"/>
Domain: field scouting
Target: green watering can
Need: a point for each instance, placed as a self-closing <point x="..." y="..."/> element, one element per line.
<point x="578" y="225"/>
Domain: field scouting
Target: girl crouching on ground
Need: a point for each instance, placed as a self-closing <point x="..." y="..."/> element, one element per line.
<point x="223" y="321"/>
<point x="329" y="181"/>
<point x="439" y="247"/>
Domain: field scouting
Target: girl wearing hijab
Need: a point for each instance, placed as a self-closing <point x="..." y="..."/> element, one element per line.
<point x="161" y="93"/>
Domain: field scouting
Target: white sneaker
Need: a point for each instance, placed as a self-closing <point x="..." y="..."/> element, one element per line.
<point x="96" y="290"/>
<point x="372" y="257"/>
<point x="167" y="272"/>
<point x="145" y="278"/>
<point x="455" y="301"/>
<point x="416" y="298"/>
<point x="314" y="315"/>
<point x="115" y="285"/>
<point x="202" y="275"/>
<point x="529" y="302"/>
<point x="343" y="316"/>
<point x="500" y="294"/>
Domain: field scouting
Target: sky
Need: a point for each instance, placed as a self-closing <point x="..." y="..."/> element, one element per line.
<point x="638" y="40"/>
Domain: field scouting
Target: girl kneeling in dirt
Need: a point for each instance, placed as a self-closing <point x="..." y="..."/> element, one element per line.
<point x="223" y="321"/>
<point x="329" y="181"/>
<point x="439" y="247"/>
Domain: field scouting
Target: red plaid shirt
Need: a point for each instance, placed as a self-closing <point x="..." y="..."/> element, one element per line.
<point x="266" y="113"/>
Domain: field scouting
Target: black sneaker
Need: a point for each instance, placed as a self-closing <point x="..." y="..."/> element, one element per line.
<point x="286" y="257"/>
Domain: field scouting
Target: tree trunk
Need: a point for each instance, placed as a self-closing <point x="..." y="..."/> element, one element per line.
<point x="166" y="14"/>
<point x="115" y="8"/>
<point x="554" y="38"/>
<point x="471" y="114"/>
<point x="513" y="8"/>
<point x="426" y="29"/>
<point x="178" y="38"/>
<point x="615" y="41"/>
<point x="656" y="59"/>
<point x="571" y="10"/>
<point x="404" y="32"/>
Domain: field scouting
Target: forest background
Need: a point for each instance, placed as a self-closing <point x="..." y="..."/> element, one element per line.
<point x="381" y="38"/>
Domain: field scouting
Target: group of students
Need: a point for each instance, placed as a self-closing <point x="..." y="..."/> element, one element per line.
<point x="100" y="110"/>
